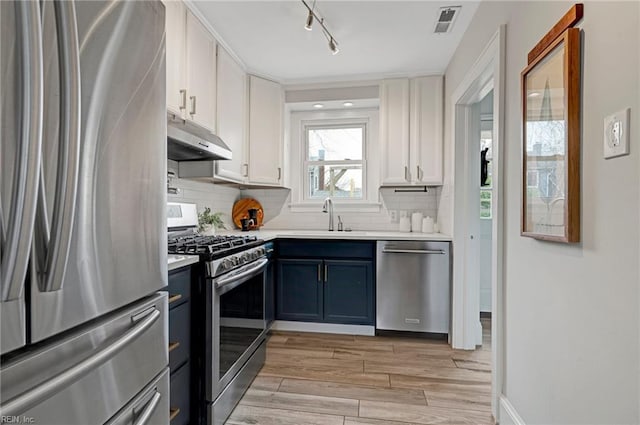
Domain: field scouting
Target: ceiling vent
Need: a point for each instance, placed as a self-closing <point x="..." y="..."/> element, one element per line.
<point x="446" y="17"/>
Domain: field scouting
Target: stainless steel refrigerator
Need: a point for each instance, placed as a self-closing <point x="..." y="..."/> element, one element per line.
<point x="83" y="328"/>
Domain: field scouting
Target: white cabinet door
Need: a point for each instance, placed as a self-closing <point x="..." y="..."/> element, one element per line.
<point x="175" y="24"/>
<point x="201" y="74"/>
<point x="232" y="115"/>
<point x="394" y="131"/>
<point x="266" y="104"/>
<point x="426" y="130"/>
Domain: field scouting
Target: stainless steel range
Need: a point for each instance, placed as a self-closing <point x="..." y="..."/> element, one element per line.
<point x="231" y="304"/>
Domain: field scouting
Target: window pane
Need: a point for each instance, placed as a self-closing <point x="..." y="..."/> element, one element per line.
<point x="335" y="144"/>
<point x="338" y="181"/>
<point x="485" y="203"/>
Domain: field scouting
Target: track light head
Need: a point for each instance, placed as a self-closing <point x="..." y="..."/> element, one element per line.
<point x="308" y="25"/>
<point x="333" y="46"/>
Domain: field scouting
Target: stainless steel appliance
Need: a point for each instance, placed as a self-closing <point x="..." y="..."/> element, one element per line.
<point x="233" y="305"/>
<point x="413" y="289"/>
<point x="187" y="141"/>
<point x="82" y="217"/>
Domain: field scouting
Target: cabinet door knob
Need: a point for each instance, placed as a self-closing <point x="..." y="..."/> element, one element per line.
<point x="279" y="173"/>
<point x="319" y="273"/>
<point x="419" y="172"/>
<point x="193" y="105"/>
<point x="246" y="170"/>
<point x="183" y="101"/>
<point x="406" y="173"/>
<point x="326" y="273"/>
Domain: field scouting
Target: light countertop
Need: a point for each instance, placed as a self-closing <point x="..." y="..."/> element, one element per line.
<point x="177" y="261"/>
<point x="270" y="234"/>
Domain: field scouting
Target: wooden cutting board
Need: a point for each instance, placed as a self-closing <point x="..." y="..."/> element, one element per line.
<point x="241" y="210"/>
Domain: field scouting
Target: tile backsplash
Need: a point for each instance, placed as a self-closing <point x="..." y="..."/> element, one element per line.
<point x="278" y="215"/>
<point x="275" y="203"/>
<point x="219" y="198"/>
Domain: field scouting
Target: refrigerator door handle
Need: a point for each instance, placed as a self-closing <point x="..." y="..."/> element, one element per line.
<point x="53" y="242"/>
<point x="43" y="391"/>
<point x="18" y="221"/>
<point x="148" y="410"/>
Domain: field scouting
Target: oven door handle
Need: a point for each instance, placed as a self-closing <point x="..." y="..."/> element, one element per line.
<point x="227" y="283"/>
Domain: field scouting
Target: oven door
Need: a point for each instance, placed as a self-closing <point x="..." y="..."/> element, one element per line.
<point x="237" y="323"/>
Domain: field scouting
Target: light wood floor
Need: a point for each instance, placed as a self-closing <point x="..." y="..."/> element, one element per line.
<point x="327" y="379"/>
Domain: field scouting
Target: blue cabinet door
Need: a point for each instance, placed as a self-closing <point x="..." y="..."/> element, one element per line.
<point x="348" y="292"/>
<point x="299" y="290"/>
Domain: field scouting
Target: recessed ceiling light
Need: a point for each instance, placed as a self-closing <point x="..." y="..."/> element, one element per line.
<point x="318" y="105"/>
<point x="348" y="103"/>
<point x="534" y="94"/>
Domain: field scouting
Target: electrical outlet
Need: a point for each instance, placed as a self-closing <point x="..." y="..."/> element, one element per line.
<point x="616" y="134"/>
<point x="393" y="215"/>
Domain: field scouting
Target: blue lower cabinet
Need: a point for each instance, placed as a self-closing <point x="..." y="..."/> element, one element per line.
<point x="299" y="290"/>
<point x="348" y="292"/>
<point x="329" y="291"/>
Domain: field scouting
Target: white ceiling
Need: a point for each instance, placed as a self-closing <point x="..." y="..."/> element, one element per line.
<point x="376" y="38"/>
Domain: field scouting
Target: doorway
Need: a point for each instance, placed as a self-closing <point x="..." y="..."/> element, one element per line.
<point x="478" y="242"/>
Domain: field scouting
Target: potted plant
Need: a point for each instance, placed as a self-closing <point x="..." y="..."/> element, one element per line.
<point x="209" y="223"/>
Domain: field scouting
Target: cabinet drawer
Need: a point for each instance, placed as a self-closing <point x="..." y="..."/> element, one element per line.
<point x="179" y="287"/>
<point x="325" y="249"/>
<point x="179" y="401"/>
<point x="179" y="335"/>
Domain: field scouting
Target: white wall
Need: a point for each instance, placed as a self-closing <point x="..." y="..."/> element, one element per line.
<point x="572" y="325"/>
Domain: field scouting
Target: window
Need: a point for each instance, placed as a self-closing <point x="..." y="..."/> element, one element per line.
<point x="334" y="162"/>
<point x="486" y="186"/>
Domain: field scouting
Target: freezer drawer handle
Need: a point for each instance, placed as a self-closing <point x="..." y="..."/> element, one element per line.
<point x="43" y="391"/>
<point x="412" y="251"/>
<point x="145" y="415"/>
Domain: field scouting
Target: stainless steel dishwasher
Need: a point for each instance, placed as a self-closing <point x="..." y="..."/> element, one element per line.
<point x="413" y="289"/>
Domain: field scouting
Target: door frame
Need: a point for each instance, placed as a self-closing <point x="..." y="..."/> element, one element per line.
<point x="487" y="73"/>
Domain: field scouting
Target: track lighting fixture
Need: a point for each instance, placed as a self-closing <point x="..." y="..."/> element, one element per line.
<point x="308" y="25"/>
<point x="313" y="15"/>
<point x="333" y="46"/>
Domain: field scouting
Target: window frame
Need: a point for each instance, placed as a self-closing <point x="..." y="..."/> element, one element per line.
<point x="306" y="163"/>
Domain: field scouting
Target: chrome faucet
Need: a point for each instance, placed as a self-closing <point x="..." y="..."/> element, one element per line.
<point x="327" y="207"/>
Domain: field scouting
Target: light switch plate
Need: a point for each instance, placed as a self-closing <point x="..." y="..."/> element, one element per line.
<point x="616" y="134"/>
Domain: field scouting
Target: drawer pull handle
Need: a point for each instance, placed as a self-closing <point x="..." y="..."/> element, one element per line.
<point x="145" y="416"/>
<point x="173" y="412"/>
<point x="173" y="346"/>
<point x="175" y="297"/>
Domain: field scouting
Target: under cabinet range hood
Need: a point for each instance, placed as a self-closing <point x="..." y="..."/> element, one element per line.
<point x="188" y="141"/>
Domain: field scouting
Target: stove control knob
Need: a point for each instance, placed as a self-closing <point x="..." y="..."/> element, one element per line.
<point x="226" y="265"/>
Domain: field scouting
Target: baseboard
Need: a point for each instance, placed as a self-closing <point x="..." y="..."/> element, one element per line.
<point x="508" y="414"/>
<point x="330" y="328"/>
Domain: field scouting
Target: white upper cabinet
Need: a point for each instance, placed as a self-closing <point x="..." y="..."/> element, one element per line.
<point x="232" y="116"/>
<point x="411" y="120"/>
<point x="426" y="130"/>
<point x="266" y="109"/>
<point x="176" y="43"/>
<point x="394" y="131"/>
<point x="201" y="74"/>
<point x="191" y="66"/>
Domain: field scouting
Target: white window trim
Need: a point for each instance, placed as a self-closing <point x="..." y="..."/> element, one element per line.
<point x="298" y="155"/>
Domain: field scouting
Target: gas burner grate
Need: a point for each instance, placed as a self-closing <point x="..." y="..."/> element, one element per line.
<point x="207" y="245"/>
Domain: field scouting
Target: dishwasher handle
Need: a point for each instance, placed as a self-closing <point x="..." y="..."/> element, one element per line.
<point x="412" y="251"/>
